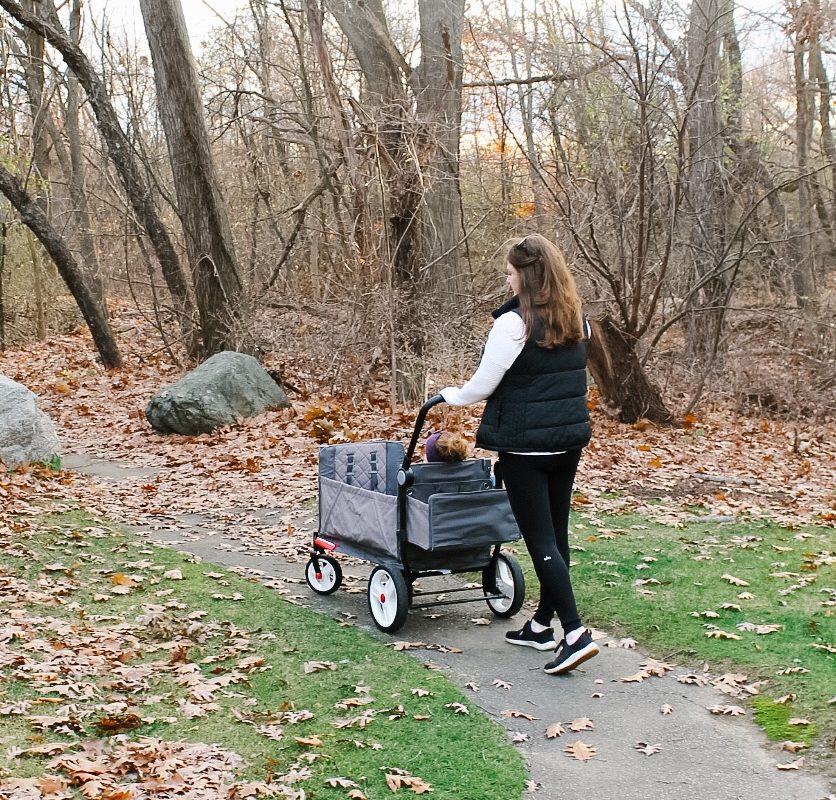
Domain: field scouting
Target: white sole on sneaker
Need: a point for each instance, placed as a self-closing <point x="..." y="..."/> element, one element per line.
<point x="541" y="646"/>
<point x="576" y="659"/>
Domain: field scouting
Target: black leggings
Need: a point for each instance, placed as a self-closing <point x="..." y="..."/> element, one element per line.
<point x="540" y="491"/>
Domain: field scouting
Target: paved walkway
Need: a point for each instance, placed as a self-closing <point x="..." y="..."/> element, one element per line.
<point x="702" y="756"/>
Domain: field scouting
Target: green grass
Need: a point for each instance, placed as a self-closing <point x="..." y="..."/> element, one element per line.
<point x="683" y="569"/>
<point x="466" y="757"/>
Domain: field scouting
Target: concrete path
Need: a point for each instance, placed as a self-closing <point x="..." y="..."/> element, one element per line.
<point x="701" y="756"/>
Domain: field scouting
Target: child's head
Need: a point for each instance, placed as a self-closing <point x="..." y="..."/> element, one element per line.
<point x="446" y="446"/>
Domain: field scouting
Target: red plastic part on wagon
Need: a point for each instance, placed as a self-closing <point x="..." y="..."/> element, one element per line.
<point x="324" y="543"/>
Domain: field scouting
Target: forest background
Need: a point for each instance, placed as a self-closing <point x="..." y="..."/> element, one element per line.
<point x="337" y="180"/>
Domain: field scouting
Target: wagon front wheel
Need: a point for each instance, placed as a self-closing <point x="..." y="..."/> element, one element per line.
<point x="323" y="574"/>
<point x="388" y="598"/>
<point x="504" y="577"/>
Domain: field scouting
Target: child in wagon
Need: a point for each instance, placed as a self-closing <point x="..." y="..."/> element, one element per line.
<point x="446" y="446"/>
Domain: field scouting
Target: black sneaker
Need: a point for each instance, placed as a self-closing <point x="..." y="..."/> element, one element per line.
<point x="526" y="637"/>
<point x="570" y="656"/>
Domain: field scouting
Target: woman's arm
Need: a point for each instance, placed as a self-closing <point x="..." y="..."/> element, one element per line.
<point x="505" y="342"/>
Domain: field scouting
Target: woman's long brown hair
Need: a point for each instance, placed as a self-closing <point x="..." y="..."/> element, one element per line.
<point x="549" y="301"/>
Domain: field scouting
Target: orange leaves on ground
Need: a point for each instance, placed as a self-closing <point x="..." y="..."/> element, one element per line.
<point x="118" y="723"/>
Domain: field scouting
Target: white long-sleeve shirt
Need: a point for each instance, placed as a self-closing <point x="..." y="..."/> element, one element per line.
<point x="505" y="342"/>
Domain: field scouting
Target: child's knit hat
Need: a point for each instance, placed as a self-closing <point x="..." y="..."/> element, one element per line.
<point x="429" y="447"/>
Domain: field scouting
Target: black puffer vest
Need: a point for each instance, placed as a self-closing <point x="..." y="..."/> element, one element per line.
<point x="540" y="404"/>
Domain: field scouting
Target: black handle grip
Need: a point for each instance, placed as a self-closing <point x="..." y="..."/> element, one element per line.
<point x="419" y="424"/>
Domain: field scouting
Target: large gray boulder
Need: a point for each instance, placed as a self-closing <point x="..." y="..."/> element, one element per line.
<point x="26" y="433"/>
<point x="224" y="388"/>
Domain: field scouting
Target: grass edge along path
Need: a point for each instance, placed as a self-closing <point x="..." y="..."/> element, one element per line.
<point x="742" y="598"/>
<point x="195" y="653"/>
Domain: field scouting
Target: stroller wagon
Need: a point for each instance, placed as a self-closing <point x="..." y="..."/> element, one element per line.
<point x="411" y="521"/>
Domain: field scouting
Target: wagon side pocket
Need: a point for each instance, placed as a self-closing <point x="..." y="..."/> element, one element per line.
<point x="468" y="519"/>
<point x="358" y="516"/>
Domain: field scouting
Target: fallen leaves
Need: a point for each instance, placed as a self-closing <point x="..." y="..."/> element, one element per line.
<point x="581" y="751"/>
<point x="732" y="711"/>
<point x="581" y="724"/>
<point x="717" y="633"/>
<point x="519" y="715"/>
<point x="555" y="731"/>
<point x="318" y="666"/>
<point x="797" y="764"/>
<point x="648" y="749"/>
<point x="397" y="779"/>
<point x="733" y="580"/>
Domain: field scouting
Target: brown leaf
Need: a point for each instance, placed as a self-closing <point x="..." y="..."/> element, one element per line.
<point x="580" y="751"/>
<point x="734" y="581"/>
<point x="581" y="724"/>
<point x="342" y="783"/>
<point x="518" y="715"/>
<point x="732" y="711"/>
<point x="555" y="731"/>
<point x="318" y="666"/>
<point x="718" y="634"/>
<point x="797" y="764"/>
<point x="309" y="741"/>
<point x="792" y="747"/>
<point x="118" y="723"/>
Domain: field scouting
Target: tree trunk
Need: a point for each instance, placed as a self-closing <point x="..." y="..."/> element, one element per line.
<point x="619" y="376"/>
<point x="35" y="219"/>
<point x="76" y="178"/>
<point x="418" y="164"/>
<point x="707" y="286"/>
<point x="119" y="149"/>
<point x="3" y="231"/>
<point x="202" y="211"/>
<point x="439" y="112"/>
<point x="804" y="269"/>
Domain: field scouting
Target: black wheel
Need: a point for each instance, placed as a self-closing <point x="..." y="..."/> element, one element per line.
<point x="505" y="577"/>
<point x="388" y="598"/>
<point x="323" y="574"/>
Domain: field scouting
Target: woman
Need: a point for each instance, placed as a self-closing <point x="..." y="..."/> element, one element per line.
<point x="533" y="375"/>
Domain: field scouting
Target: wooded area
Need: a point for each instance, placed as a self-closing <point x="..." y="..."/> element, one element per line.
<point x="336" y="179"/>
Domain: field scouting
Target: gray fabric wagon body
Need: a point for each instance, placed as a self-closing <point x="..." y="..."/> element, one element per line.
<point x="453" y="515"/>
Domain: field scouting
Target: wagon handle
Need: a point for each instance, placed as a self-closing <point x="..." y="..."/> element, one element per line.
<point x="419" y="423"/>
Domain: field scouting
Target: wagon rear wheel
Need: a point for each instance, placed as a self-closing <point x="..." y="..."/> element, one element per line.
<point x="388" y="598"/>
<point x="504" y="576"/>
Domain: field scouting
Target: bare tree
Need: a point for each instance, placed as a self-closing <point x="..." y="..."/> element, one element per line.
<point x="35" y="218"/>
<point x="201" y="207"/>
<point x="46" y="23"/>
<point x="708" y="281"/>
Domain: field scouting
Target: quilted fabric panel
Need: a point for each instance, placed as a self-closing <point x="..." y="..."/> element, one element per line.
<point x="366" y="465"/>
